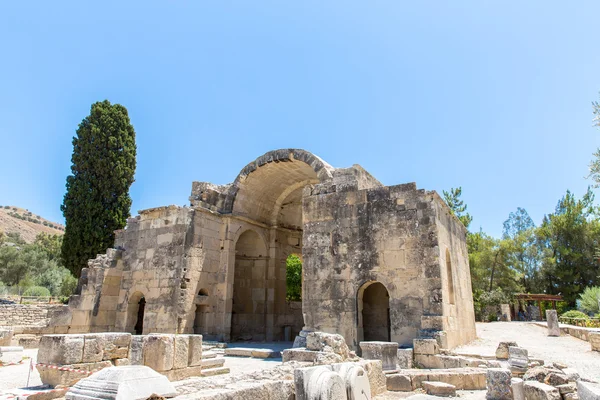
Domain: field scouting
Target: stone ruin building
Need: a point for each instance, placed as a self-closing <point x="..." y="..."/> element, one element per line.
<point x="380" y="263"/>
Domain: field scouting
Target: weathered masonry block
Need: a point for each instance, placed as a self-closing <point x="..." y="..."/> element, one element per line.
<point x="380" y="263"/>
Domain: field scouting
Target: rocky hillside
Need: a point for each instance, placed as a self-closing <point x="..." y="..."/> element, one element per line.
<point x="27" y="224"/>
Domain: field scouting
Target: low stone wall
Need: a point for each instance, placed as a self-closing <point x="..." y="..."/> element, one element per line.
<point x="23" y="314"/>
<point x="64" y="359"/>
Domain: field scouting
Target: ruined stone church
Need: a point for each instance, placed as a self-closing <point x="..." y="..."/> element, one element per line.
<point x="385" y="263"/>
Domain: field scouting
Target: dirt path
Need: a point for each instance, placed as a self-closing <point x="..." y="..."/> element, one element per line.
<point x="566" y="349"/>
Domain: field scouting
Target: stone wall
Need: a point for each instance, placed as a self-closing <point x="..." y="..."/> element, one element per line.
<point x="391" y="235"/>
<point x="23" y="314"/>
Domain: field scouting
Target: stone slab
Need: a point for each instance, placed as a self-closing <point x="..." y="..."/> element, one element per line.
<point x="518" y="389"/>
<point x="398" y="383"/>
<point x="405" y="358"/>
<point x="439" y="389"/>
<point x="552" y="322"/>
<point x="518" y="357"/>
<point x="11" y="354"/>
<point x="238" y="352"/>
<point x="299" y="354"/>
<point x="214" y="371"/>
<point x="159" y="351"/>
<point x="196" y="350"/>
<point x="535" y="390"/>
<point x="134" y="382"/>
<point x="61" y="349"/>
<point x="588" y="390"/>
<point x="213" y="363"/>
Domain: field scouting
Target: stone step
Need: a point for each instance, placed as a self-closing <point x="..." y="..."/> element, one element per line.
<point x="214" y="371"/>
<point x="212" y="363"/>
<point x="439" y="388"/>
<point x="407" y="380"/>
<point x="251" y="352"/>
<point x="208" y="354"/>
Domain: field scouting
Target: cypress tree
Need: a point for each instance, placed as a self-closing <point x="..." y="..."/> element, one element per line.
<point x="97" y="201"/>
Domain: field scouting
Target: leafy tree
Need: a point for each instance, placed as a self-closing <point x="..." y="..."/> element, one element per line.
<point x="524" y="251"/>
<point x="293" y="278"/>
<point x="595" y="164"/>
<point x="68" y="285"/>
<point x="457" y="206"/>
<point x="589" y="300"/>
<point x="569" y="237"/>
<point x="50" y="244"/>
<point x="97" y="201"/>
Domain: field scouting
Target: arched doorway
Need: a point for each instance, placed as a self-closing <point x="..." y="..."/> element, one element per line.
<point x="249" y="306"/>
<point x="202" y="312"/>
<point x="373" y="312"/>
<point x="135" y="313"/>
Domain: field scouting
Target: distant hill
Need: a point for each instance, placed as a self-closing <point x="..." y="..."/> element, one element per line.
<point x="27" y="224"/>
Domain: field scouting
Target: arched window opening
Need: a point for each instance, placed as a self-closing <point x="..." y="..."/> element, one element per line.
<point x="293" y="275"/>
<point x="450" y="278"/>
<point x="374" y="312"/>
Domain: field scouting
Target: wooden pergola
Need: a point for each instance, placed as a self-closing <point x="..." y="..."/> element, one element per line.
<point x="539" y="298"/>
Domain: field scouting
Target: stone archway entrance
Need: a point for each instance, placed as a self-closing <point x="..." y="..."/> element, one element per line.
<point x="373" y="312"/>
<point x="135" y="313"/>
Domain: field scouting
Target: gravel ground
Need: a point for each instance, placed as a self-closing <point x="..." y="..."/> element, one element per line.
<point x="566" y="349"/>
<point x="15" y="376"/>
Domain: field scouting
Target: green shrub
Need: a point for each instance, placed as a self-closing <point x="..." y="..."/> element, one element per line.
<point x="588" y="300"/>
<point x="574" y="314"/>
<point x="293" y="278"/>
<point x="7" y="207"/>
<point x="492" y="317"/>
<point x="36" y="291"/>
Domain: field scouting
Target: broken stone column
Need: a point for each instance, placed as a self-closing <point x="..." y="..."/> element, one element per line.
<point x="387" y="352"/>
<point x="128" y="382"/>
<point x="518" y="359"/>
<point x="498" y="382"/>
<point x="336" y="382"/>
<point x="552" y="321"/>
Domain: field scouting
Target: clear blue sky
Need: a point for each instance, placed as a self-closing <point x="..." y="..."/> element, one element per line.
<point x="491" y="96"/>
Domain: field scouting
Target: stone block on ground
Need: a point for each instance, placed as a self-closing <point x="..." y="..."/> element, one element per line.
<point x="61" y="349"/>
<point x="181" y="351"/>
<point x="28" y="341"/>
<point x="539" y="373"/>
<point x="518" y="388"/>
<point x="183" y="373"/>
<point x="498" y="382"/>
<point x="588" y="390"/>
<point x="535" y="390"/>
<point x="398" y="383"/>
<point x="213" y="363"/>
<point x="571" y="374"/>
<point x="439" y="389"/>
<point x="11" y="354"/>
<point x="425" y="346"/>
<point x="375" y="374"/>
<point x="238" y="352"/>
<point x="556" y="379"/>
<point x="387" y="352"/>
<point x="56" y="377"/>
<point x="133" y="382"/>
<point x="265" y="353"/>
<point x="214" y="371"/>
<point x="158" y="351"/>
<point x="328" y="342"/>
<point x="299" y="354"/>
<point x="6" y="336"/>
<point x="405" y="358"/>
<point x="567" y="388"/>
<point x="300" y="340"/>
<point x="195" y="350"/>
<point x="518" y="357"/>
<point x="136" y="350"/>
<point x="502" y="350"/>
<point x="552" y="321"/>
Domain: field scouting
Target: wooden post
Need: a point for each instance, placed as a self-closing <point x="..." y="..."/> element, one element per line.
<point x="540" y="307"/>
